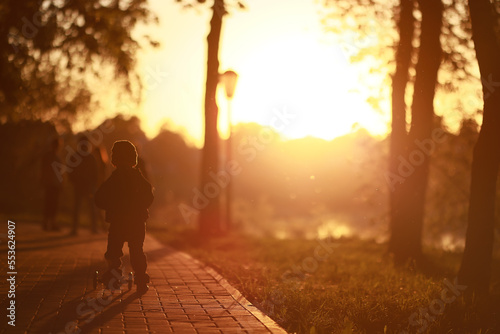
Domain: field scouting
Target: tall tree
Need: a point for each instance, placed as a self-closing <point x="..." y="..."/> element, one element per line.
<point x="209" y="220"/>
<point x="406" y="28"/>
<point x="49" y="48"/>
<point x="475" y="270"/>
<point x="408" y="185"/>
<point x="210" y="215"/>
<point x="407" y="222"/>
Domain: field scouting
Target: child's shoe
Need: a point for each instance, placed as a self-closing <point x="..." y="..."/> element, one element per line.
<point x="142" y="280"/>
<point x="142" y="288"/>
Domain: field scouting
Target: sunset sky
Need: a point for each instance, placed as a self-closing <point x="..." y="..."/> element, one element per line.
<point x="285" y="61"/>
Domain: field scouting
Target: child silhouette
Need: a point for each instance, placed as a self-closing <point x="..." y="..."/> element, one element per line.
<point x="126" y="197"/>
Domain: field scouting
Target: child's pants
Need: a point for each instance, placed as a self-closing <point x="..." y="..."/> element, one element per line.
<point x="133" y="234"/>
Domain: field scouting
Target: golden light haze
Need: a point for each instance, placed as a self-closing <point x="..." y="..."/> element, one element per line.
<point x="286" y="60"/>
<point x="283" y="58"/>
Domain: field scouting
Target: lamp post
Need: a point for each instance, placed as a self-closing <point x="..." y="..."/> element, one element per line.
<point x="229" y="79"/>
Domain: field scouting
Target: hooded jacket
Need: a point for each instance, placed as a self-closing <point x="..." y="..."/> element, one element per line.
<point x="125" y="196"/>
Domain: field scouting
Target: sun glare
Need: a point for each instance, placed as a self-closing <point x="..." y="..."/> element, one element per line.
<point x="285" y="63"/>
<point x="312" y="81"/>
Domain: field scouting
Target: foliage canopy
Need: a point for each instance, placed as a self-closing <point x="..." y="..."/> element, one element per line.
<point x="50" y="48"/>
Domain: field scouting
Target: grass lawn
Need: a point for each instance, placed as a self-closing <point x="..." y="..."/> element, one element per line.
<point x="341" y="286"/>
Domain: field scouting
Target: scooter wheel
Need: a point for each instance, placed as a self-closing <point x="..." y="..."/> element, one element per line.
<point x="95" y="279"/>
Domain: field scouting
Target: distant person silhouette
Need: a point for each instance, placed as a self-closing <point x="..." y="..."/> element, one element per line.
<point x="51" y="186"/>
<point x="101" y="160"/>
<point x="126" y="197"/>
<point x="84" y="178"/>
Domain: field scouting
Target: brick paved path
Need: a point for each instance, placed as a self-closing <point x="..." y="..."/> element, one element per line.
<point x="55" y="294"/>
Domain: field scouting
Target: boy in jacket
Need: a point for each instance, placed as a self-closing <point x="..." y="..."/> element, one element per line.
<point x="126" y="197"/>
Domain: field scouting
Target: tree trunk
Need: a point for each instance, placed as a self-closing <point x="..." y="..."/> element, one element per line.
<point x="398" y="132"/>
<point x="408" y="224"/>
<point x="475" y="270"/>
<point x="209" y="220"/>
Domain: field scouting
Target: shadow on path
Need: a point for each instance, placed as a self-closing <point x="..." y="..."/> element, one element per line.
<point x="87" y="313"/>
<point x="102" y="318"/>
<point x="54" y="290"/>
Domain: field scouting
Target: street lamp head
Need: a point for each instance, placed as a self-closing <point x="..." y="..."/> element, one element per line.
<point x="229" y="80"/>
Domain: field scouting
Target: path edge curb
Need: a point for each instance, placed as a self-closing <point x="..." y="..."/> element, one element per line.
<point x="236" y="294"/>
